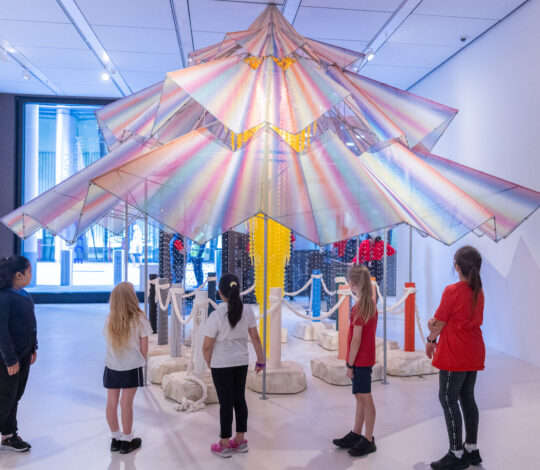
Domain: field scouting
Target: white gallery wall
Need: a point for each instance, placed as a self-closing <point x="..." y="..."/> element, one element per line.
<point x="495" y="84"/>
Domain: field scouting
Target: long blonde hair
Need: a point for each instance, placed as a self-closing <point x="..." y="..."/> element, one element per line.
<point x="365" y="306"/>
<point x="124" y="314"/>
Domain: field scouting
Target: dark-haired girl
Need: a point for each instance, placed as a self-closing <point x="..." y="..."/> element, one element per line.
<point x="459" y="354"/>
<point x="18" y="345"/>
<point x="225" y="350"/>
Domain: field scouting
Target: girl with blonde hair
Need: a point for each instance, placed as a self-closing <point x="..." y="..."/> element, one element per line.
<point x="126" y="335"/>
<point x="360" y="361"/>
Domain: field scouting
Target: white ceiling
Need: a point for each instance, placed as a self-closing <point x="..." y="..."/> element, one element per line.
<point x="143" y="41"/>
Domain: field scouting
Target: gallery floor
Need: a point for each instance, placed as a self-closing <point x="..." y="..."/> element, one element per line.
<point x="62" y="414"/>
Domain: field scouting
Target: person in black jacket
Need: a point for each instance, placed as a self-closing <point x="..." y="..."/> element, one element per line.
<point x="18" y="345"/>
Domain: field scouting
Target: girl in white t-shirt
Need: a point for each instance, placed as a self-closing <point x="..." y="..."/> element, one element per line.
<point x="126" y="335"/>
<point x="225" y="350"/>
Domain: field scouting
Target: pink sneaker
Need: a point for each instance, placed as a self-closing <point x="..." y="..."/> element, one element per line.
<point x="242" y="447"/>
<point x="220" y="451"/>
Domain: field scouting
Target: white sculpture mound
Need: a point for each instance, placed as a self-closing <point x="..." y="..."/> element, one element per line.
<point x="160" y="366"/>
<point x="328" y="339"/>
<point x="379" y="348"/>
<point x="289" y="377"/>
<point x="334" y="371"/>
<point x="403" y="363"/>
<point x="308" y="330"/>
<point x="177" y="386"/>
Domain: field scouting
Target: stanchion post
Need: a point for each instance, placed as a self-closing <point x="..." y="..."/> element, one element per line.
<point x="409" y="319"/>
<point x="316" y="295"/>
<point x="197" y="335"/>
<point x="152" y="307"/>
<point x="176" y="326"/>
<point x="275" y="327"/>
<point x="343" y="321"/>
<point x="163" y="315"/>
<point x="212" y="291"/>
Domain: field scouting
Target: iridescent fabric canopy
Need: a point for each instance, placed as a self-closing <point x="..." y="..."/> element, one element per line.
<point x="268" y="121"/>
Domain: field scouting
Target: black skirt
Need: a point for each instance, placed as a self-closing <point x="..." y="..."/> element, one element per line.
<point x="123" y="378"/>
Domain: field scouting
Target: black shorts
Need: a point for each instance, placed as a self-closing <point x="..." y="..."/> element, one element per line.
<point x="123" y="378"/>
<point x="361" y="381"/>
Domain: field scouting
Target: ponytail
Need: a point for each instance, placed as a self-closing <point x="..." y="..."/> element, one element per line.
<point x="10" y="266"/>
<point x="469" y="261"/>
<point x="229" y="287"/>
<point x="475" y="282"/>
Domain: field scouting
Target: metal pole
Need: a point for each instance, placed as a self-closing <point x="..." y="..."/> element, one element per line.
<point x="126" y="243"/>
<point x="357" y="250"/>
<point x="410" y="253"/>
<point x="384" y="381"/>
<point x="146" y="265"/>
<point x="265" y="293"/>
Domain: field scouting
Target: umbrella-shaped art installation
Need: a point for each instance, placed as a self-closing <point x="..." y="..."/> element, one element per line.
<point x="270" y="122"/>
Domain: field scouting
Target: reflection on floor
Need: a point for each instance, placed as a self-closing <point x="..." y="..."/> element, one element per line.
<point x="63" y="416"/>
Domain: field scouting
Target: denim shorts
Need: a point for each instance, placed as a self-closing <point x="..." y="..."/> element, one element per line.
<point x="361" y="380"/>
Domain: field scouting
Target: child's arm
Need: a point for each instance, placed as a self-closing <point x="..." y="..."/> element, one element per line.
<point x="355" y="346"/>
<point x="144" y="346"/>
<point x="435" y="327"/>
<point x="207" y="348"/>
<point x="256" y="341"/>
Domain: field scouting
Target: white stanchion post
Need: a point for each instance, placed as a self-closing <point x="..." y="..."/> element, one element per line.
<point x="176" y="326"/>
<point x="197" y="334"/>
<point x="275" y="327"/>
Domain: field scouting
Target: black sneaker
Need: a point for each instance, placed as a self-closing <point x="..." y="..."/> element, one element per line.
<point x="116" y="444"/>
<point x="450" y="462"/>
<point x="472" y="457"/>
<point x="348" y="441"/>
<point x="130" y="446"/>
<point x="15" y="443"/>
<point x="364" y="447"/>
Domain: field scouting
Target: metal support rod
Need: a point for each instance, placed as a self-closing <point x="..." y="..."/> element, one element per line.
<point x="384" y="381"/>
<point x="146" y="265"/>
<point x="265" y="306"/>
<point x="126" y="243"/>
<point x="410" y="253"/>
<point x="357" y="250"/>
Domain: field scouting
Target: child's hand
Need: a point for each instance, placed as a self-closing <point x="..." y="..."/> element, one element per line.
<point x="350" y="373"/>
<point x="430" y="349"/>
<point x="33" y="358"/>
<point x="12" y="370"/>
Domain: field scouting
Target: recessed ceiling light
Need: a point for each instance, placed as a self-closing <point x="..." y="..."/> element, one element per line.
<point x="26" y="74"/>
<point x="105" y="57"/>
<point x="105" y="76"/>
<point x="370" y="54"/>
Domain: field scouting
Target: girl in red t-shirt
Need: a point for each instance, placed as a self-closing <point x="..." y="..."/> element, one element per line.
<point x="459" y="354"/>
<point x="360" y="361"/>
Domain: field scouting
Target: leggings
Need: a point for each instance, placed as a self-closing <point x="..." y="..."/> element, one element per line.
<point x="454" y="386"/>
<point x="230" y="385"/>
<point x="11" y="391"/>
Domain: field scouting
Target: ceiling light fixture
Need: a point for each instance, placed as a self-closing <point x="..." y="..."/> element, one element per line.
<point x="370" y="54"/>
<point x="3" y="55"/>
<point x="26" y="74"/>
<point x="105" y="76"/>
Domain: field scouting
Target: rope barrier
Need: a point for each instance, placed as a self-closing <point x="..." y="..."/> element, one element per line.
<point x="419" y="325"/>
<point x="294" y="294"/>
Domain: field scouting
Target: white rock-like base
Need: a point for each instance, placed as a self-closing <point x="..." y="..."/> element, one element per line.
<point x="402" y="363"/>
<point x="379" y="348"/>
<point x="308" y="330"/>
<point x="157" y="350"/>
<point x="333" y="370"/>
<point x="159" y="366"/>
<point x="328" y="339"/>
<point x="287" y="378"/>
<point x="284" y="333"/>
<point x="177" y="386"/>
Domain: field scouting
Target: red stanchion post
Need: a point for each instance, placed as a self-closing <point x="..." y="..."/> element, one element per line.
<point x="409" y="319"/>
